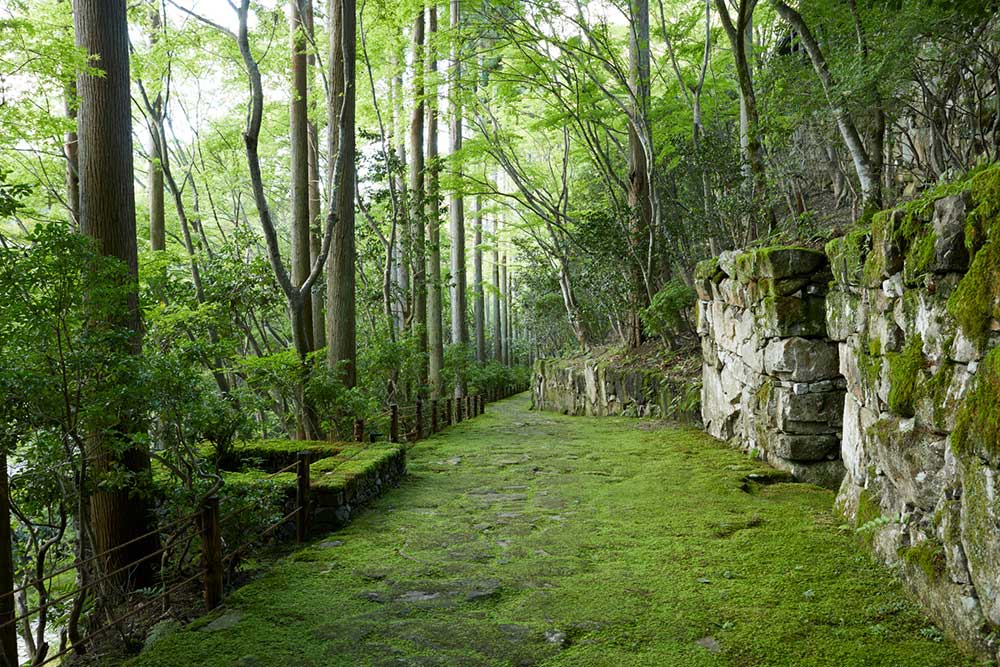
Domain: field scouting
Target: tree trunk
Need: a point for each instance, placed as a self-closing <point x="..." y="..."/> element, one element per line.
<point x="509" y="308"/>
<point x="299" y="142"/>
<point x="70" y="148"/>
<point x="120" y="514"/>
<point x="639" y="192"/>
<point x="435" y="336"/>
<point x="456" y="208"/>
<point x="497" y="331"/>
<point x="504" y="314"/>
<point x="340" y="281"/>
<point x="418" y="276"/>
<point x="479" y="308"/>
<point x="315" y="198"/>
<point x="157" y="231"/>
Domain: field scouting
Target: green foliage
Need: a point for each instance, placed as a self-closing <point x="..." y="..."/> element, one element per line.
<point x="669" y="312"/>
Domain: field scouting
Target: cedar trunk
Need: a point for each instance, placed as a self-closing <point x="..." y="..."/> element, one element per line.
<point x="340" y="281"/>
<point x="119" y="514"/>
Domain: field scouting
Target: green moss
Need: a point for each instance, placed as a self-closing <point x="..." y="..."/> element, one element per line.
<point x="928" y="557"/>
<point x="515" y="524"/>
<point x="708" y="269"/>
<point x="920" y="257"/>
<point x="936" y="389"/>
<point x="870" y="361"/>
<point x="976" y="300"/>
<point x="792" y="316"/>
<point x="904" y="376"/>
<point x="778" y="262"/>
<point x="847" y="255"/>
<point x="977" y="426"/>
<point x="274" y="455"/>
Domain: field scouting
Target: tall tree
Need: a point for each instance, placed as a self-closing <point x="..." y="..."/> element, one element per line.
<point x="867" y="163"/>
<point x="740" y="34"/>
<point x="315" y="197"/>
<point x="340" y="280"/>
<point x="435" y="336"/>
<point x="504" y="312"/>
<point x="456" y="207"/>
<point x="641" y="161"/>
<point x="298" y="114"/>
<point x="479" y="302"/>
<point x="157" y="217"/>
<point x="417" y="268"/>
<point x="119" y="511"/>
<point x="497" y="330"/>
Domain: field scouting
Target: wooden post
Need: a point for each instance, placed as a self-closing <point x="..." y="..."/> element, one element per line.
<point x="418" y="427"/>
<point x="468" y="407"/>
<point x="302" y="498"/>
<point x="458" y="410"/>
<point x="447" y="412"/>
<point x="394" y="423"/>
<point x="359" y="430"/>
<point x="479" y="404"/>
<point x="211" y="552"/>
<point x="8" y="635"/>
<point x="434" y="415"/>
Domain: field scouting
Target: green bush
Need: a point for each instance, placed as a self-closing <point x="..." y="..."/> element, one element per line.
<point x="668" y="313"/>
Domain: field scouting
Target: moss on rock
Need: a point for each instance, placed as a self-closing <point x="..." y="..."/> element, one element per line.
<point x="977" y="427"/>
<point x="904" y="376"/>
<point x="976" y="300"/>
<point x="928" y="556"/>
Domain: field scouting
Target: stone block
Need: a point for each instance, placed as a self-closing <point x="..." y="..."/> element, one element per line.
<point x="806" y="413"/>
<point x="846" y="313"/>
<point x="786" y="316"/>
<point x="950" y="253"/>
<point x="827" y="474"/>
<point x="801" y="359"/>
<point x="778" y="262"/>
<point x="980" y="516"/>
<point x="804" y="448"/>
<point x="727" y="262"/>
<point x="847" y="257"/>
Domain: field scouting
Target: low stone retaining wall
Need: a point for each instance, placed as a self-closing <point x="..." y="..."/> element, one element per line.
<point x="339" y="492"/>
<point x="770" y="379"/>
<point x="596" y="388"/>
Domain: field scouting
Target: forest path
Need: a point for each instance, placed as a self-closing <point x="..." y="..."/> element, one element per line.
<point x="525" y="538"/>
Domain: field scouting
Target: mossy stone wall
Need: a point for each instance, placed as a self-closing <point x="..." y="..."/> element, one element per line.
<point x="770" y="379"/>
<point x="596" y="387"/>
<point x="914" y="307"/>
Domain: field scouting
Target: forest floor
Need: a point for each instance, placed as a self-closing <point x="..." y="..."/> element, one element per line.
<point x="525" y="538"/>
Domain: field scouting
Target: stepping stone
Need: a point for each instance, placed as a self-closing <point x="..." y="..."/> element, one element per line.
<point x="417" y="596"/>
<point x="224" y="622"/>
<point x="710" y="644"/>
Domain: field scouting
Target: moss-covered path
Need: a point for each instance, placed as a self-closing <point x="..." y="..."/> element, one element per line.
<point x="525" y="538"/>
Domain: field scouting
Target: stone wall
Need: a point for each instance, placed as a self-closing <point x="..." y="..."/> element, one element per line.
<point x="596" y="387"/>
<point x="770" y="379"/>
<point x="915" y="307"/>
<point x="912" y="332"/>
